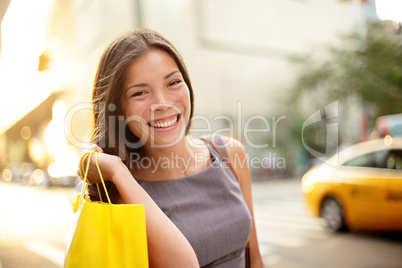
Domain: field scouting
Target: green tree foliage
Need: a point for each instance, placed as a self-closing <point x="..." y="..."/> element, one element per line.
<point x="366" y="67"/>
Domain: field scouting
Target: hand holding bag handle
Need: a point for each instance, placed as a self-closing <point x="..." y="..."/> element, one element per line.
<point x="84" y="170"/>
<point x="106" y="235"/>
<point x="77" y="202"/>
<point x="226" y="159"/>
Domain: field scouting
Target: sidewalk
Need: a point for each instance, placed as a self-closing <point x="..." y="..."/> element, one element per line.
<point x="275" y="188"/>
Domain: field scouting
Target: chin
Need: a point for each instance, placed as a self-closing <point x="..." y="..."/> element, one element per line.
<point x="166" y="139"/>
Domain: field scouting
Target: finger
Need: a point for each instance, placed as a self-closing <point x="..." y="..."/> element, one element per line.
<point x="93" y="147"/>
<point x="96" y="148"/>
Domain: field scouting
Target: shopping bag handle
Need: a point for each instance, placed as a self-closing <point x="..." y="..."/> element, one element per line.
<point x="84" y="168"/>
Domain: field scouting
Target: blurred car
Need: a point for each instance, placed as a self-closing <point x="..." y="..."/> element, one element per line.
<point x="26" y="173"/>
<point x="358" y="188"/>
<point x="388" y="125"/>
<point x="65" y="181"/>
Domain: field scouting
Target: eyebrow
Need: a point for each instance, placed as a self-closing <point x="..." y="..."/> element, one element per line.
<point x="145" y="84"/>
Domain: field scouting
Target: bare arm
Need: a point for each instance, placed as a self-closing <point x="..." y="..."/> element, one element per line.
<point x="236" y="151"/>
<point x="167" y="246"/>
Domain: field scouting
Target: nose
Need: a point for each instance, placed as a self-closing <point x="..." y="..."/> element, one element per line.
<point x="161" y="101"/>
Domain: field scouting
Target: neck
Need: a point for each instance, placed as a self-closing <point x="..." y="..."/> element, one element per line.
<point x="176" y="161"/>
<point x="181" y="149"/>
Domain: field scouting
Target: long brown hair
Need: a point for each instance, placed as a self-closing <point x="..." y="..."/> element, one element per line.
<point x="107" y="130"/>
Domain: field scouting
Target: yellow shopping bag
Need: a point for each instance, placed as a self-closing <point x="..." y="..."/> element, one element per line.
<point x="105" y="234"/>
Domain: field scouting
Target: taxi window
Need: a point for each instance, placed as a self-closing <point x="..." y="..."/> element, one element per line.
<point x="374" y="160"/>
<point x="394" y="159"/>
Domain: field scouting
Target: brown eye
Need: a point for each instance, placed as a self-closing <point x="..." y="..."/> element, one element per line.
<point x="138" y="94"/>
<point x="175" y="82"/>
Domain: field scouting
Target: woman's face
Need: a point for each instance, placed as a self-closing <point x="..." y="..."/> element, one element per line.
<point x="155" y="100"/>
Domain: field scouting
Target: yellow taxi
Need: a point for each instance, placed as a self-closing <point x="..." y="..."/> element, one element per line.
<point x="358" y="188"/>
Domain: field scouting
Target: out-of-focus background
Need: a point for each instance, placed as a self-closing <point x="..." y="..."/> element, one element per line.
<point x="262" y="71"/>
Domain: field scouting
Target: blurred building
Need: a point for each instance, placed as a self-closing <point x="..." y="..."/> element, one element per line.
<point x="236" y="51"/>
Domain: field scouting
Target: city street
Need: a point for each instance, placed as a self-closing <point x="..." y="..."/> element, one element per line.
<point x="35" y="224"/>
<point x="289" y="237"/>
<point x="286" y="84"/>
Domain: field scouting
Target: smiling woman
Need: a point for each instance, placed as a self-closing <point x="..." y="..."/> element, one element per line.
<point x="126" y="86"/>
<point x="197" y="212"/>
<point x="153" y="80"/>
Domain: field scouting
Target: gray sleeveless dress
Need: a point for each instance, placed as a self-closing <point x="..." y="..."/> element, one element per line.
<point x="209" y="209"/>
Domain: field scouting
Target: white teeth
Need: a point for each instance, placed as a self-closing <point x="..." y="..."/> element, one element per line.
<point x="165" y="124"/>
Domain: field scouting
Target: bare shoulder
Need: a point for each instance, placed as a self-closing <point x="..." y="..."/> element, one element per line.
<point x="233" y="146"/>
<point x="196" y="142"/>
<point x="238" y="158"/>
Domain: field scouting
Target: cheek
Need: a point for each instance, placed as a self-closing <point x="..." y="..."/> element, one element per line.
<point x="137" y="126"/>
<point x="134" y="109"/>
<point x="134" y="117"/>
<point x="189" y="105"/>
<point x="185" y="96"/>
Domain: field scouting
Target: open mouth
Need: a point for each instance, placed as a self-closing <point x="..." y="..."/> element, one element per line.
<point x="165" y="123"/>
